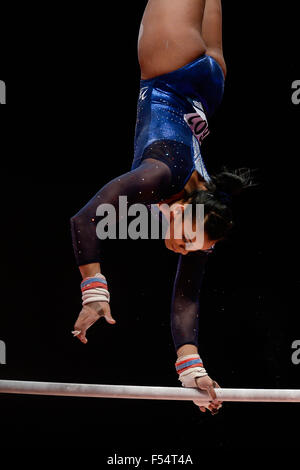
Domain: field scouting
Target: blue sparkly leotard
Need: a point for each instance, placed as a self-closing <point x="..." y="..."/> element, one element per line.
<point x="171" y="124"/>
<point x="172" y="117"/>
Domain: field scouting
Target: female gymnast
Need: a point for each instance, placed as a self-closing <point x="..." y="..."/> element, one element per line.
<point x="182" y="82"/>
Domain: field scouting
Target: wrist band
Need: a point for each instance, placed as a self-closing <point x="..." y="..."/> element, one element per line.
<point x="94" y="289"/>
<point x="188" y="362"/>
<point x="189" y="368"/>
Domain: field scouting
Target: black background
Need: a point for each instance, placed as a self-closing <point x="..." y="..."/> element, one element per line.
<point x="72" y="85"/>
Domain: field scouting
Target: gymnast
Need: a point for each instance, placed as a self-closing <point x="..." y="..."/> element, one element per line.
<point x="182" y="83"/>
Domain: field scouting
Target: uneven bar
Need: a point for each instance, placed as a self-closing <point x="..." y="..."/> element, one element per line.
<point x="148" y="393"/>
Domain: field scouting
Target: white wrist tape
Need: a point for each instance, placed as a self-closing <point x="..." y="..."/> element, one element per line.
<point x="94" y="289"/>
<point x="189" y="368"/>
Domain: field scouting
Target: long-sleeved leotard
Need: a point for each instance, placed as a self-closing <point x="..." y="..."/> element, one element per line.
<point x="147" y="184"/>
<point x="171" y="124"/>
<point x="185" y="306"/>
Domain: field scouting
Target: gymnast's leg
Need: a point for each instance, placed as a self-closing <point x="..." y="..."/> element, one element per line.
<point x="170" y="35"/>
<point x="212" y="31"/>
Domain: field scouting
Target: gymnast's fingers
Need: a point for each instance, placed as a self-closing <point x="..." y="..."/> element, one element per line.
<point x="80" y="334"/>
<point x="87" y="317"/>
<point x="107" y="314"/>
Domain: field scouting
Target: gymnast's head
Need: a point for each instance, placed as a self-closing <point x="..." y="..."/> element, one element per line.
<point x="216" y="197"/>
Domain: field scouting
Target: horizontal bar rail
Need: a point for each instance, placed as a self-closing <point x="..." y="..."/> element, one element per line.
<point x="148" y="393"/>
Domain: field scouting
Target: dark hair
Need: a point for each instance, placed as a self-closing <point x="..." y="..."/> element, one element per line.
<point x="217" y="200"/>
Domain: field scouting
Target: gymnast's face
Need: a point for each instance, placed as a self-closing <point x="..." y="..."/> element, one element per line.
<point x="181" y="234"/>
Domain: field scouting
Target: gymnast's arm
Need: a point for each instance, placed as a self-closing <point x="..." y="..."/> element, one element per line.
<point x="185" y="320"/>
<point x="185" y="301"/>
<point x="149" y="183"/>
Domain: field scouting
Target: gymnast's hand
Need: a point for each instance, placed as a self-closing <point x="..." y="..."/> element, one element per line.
<point x="89" y="314"/>
<point x="209" y="385"/>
